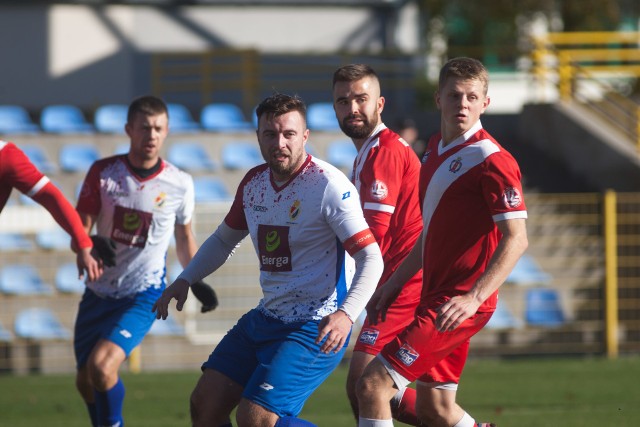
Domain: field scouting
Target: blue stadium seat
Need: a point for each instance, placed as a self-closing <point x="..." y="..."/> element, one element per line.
<point x="16" y="119"/>
<point x="10" y="242"/>
<point x="40" y="324"/>
<point x="341" y="153"/>
<point x="241" y="155"/>
<point x="5" y="334"/>
<point x="122" y="148"/>
<point x="66" y="280"/>
<point x="181" y="120"/>
<point x="191" y="157"/>
<point x="22" y="279"/>
<point x="64" y="119"/>
<point x="111" y="118"/>
<point x="167" y="327"/>
<point x="77" y="157"/>
<point x="502" y="318"/>
<point x="542" y="308"/>
<point x="224" y="117"/>
<point x="38" y="157"/>
<point x="321" y="116"/>
<point x="528" y="272"/>
<point x="210" y="189"/>
<point x="55" y="239"/>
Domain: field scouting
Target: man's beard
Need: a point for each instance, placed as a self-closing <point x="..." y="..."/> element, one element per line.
<point x="357" y="132"/>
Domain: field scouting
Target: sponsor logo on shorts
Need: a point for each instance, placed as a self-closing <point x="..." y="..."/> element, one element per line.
<point x="407" y="355"/>
<point x="511" y="197"/>
<point x="368" y="336"/>
<point x="125" y="333"/>
<point x="266" y="386"/>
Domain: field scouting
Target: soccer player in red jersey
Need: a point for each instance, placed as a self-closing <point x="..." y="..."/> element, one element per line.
<point x="386" y="173"/>
<point x="474" y="232"/>
<point x="17" y="171"/>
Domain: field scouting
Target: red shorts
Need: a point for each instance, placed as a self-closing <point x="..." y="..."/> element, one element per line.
<point x="399" y="315"/>
<point x="423" y="353"/>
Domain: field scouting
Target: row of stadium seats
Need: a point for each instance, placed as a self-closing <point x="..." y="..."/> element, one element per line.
<point x="190" y="156"/>
<point x="68" y="119"/>
<point x="42" y="323"/>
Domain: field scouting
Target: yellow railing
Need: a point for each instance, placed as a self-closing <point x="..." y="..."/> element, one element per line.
<point x="588" y="67"/>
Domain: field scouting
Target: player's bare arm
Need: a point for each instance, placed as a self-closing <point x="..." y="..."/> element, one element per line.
<point x="85" y="259"/>
<point x="511" y="247"/>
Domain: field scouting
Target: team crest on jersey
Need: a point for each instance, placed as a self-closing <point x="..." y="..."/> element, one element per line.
<point x="455" y="165"/>
<point x="294" y="210"/>
<point x="273" y="248"/>
<point x="511" y="197"/>
<point x="379" y="190"/>
<point x="368" y="336"/>
<point x="160" y="199"/>
<point x="407" y="354"/>
<point x="425" y="155"/>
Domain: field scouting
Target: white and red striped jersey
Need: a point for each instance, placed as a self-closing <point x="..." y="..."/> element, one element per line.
<point x="386" y="174"/>
<point x="139" y="214"/>
<point x="297" y="229"/>
<point x="465" y="188"/>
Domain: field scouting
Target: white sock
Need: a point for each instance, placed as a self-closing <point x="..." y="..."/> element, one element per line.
<point x="368" y="422"/>
<point x="466" y="421"/>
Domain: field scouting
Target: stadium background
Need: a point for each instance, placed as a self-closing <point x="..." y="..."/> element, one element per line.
<point x="574" y="130"/>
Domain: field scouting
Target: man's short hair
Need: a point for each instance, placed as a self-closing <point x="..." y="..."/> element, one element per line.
<point x="148" y="105"/>
<point x="279" y="104"/>
<point x="464" y="68"/>
<point x="353" y="72"/>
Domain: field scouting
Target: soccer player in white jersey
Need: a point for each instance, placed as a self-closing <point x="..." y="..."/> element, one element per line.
<point x="136" y="201"/>
<point x="308" y="230"/>
<point x="385" y="173"/>
<point x="474" y="232"/>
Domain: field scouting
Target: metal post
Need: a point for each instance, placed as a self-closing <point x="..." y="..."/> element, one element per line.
<point x="611" y="277"/>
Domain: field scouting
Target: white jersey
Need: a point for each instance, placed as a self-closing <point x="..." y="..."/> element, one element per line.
<point x="297" y="230"/>
<point x="139" y="214"/>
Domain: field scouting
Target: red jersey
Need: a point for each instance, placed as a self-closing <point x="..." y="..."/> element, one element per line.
<point x="16" y="170"/>
<point x="465" y="188"/>
<point x="386" y="174"/>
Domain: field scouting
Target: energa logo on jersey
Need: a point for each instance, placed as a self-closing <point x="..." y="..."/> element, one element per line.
<point x="273" y="247"/>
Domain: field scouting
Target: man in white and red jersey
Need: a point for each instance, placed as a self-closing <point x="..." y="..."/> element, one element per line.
<point x="136" y="201"/>
<point x="305" y="222"/>
<point x="474" y="232"/>
<point x="17" y="171"/>
<point x="386" y="174"/>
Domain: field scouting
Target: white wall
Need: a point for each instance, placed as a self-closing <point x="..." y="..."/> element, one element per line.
<point x="89" y="55"/>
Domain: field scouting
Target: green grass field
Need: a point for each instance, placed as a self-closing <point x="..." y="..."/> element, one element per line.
<point x="512" y="393"/>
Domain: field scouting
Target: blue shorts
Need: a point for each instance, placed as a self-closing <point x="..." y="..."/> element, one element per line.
<point x="278" y="364"/>
<point x="123" y="321"/>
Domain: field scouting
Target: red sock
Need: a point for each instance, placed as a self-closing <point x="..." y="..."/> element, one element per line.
<point x="405" y="410"/>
